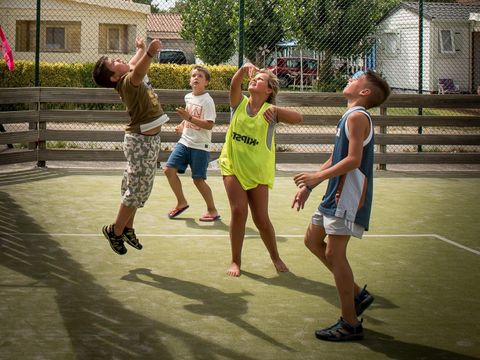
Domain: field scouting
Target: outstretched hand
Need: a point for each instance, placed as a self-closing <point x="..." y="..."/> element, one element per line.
<point x="300" y="198"/>
<point x="179" y="128"/>
<point x="139" y="43"/>
<point x="249" y="69"/>
<point x="154" y="47"/>
<point x="184" y="114"/>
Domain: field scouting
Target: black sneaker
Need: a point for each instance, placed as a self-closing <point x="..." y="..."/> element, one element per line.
<point x="341" y="331"/>
<point x="131" y="238"/>
<point x="363" y="300"/>
<point x="116" y="242"/>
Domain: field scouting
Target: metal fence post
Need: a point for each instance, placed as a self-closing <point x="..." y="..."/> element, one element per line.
<point x="420" y="61"/>
<point x="39" y="127"/>
<point x="241" y="32"/>
<point x="383" y="148"/>
<point x="37" y="44"/>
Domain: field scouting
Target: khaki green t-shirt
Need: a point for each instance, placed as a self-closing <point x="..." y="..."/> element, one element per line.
<point x="141" y="102"/>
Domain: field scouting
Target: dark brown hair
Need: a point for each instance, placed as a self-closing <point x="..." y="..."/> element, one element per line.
<point x="102" y="74"/>
<point x="379" y="88"/>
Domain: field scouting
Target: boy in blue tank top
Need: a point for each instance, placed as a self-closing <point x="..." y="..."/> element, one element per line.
<point x="346" y="205"/>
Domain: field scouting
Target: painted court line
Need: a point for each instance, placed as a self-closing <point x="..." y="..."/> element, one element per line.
<point x="436" y="236"/>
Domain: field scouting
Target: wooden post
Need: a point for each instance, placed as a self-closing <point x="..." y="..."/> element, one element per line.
<point x="34" y="125"/>
<point x="41" y="144"/>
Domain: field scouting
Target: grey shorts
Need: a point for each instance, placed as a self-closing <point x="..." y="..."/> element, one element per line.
<point x="141" y="152"/>
<point x="337" y="226"/>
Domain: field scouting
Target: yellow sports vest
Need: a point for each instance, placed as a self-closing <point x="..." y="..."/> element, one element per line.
<point x="249" y="149"/>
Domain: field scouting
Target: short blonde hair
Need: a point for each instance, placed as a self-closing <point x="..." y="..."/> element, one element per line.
<point x="273" y="84"/>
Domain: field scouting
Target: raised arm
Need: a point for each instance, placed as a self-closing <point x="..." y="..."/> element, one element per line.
<point x="141" y="68"/>
<point x="281" y="114"/>
<point x="236" y="84"/>
<point x="288" y="116"/>
<point x="140" y="46"/>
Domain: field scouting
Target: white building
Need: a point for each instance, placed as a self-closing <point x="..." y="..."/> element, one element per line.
<point x="451" y="46"/>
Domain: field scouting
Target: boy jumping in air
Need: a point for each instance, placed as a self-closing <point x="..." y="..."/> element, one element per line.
<point x="141" y="144"/>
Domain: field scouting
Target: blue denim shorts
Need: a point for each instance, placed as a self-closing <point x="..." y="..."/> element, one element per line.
<point x="183" y="156"/>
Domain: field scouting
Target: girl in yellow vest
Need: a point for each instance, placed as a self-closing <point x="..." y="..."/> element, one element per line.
<point x="247" y="161"/>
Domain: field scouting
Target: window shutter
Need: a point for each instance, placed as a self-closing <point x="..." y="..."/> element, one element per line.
<point x="132" y="35"/>
<point x="74" y="37"/>
<point x="102" y="39"/>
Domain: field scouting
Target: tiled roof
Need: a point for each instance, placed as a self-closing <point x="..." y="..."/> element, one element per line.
<point x="444" y="11"/>
<point x="164" y="23"/>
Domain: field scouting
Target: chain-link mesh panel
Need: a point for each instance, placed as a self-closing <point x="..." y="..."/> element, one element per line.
<point x="312" y="45"/>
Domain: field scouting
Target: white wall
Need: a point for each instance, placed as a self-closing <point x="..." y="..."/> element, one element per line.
<point x="454" y="66"/>
<point x="401" y="68"/>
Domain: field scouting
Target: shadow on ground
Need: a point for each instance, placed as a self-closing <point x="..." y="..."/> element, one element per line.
<point x="228" y="306"/>
<point x="97" y="326"/>
<point x="400" y="350"/>
<point x="325" y="291"/>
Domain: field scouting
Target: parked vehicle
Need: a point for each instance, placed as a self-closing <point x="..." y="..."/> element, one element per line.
<point x="172" y="56"/>
<point x="289" y="70"/>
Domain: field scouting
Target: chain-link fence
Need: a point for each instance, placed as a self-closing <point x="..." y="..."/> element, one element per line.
<point x="312" y="45"/>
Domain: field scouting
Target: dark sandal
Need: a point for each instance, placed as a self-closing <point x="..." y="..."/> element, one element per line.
<point x="341" y="331"/>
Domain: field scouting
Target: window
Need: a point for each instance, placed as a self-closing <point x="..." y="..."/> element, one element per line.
<point x="446" y="42"/>
<point x="55" y="39"/>
<point x="310" y="64"/>
<point x="390" y="43"/>
<point x="293" y="63"/>
<point x="113" y="40"/>
<point x="116" y="38"/>
<point x="55" y="36"/>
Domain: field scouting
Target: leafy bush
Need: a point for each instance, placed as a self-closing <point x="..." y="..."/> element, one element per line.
<point x="162" y="76"/>
<point x="22" y="76"/>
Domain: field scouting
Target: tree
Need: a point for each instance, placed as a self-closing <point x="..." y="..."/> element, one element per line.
<point x="263" y="29"/>
<point x="210" y="24"/>
<point x="339" y="28"/>
<point x="179" y="7"/>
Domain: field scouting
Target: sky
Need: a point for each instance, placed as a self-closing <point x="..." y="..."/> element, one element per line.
<point x="164" y="4"/>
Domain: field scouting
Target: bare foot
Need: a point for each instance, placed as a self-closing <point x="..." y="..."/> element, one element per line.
<point x="234" y="270"/>
<point x="280" y="265"/>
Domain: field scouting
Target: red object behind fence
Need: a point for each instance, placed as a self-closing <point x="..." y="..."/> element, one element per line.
<point x="7" y="52"/>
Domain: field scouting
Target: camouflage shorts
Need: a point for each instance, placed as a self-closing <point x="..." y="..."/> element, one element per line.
<point x="141" y="152"/>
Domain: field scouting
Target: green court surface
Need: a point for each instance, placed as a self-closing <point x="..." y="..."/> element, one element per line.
<point x="66" y="295"/>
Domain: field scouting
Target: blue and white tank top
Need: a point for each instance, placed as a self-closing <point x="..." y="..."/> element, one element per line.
<point x="349" y="196"/>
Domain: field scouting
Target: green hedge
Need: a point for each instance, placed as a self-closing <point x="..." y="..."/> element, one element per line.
<point x="162" y="76"/>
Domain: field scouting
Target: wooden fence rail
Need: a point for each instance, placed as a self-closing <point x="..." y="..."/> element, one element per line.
<point x="39" y="115"/>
